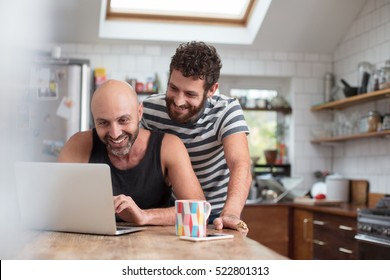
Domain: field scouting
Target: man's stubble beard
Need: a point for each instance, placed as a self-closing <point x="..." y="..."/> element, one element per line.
<point x="191" y="116"/>
<point x="123" y="151"/>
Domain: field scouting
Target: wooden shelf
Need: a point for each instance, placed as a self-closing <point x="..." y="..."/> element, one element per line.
<point x="354" y="100"/>
<point x="275" y="170"/>
<point x="352" y="137"/>
<point x="280" y="110"/>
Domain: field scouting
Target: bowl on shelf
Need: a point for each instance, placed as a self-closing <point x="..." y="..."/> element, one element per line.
<point x="350" y="91"/>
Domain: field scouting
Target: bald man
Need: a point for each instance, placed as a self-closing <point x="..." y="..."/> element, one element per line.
<point x="146" y="167"/>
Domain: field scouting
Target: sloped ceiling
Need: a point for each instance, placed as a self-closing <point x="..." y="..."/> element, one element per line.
<point x="309" y="26"/>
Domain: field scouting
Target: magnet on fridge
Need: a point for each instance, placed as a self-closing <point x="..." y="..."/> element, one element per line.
<point x="49" y="92"/>
<point x="52" y="147"/>
<point x="64" y="109"/>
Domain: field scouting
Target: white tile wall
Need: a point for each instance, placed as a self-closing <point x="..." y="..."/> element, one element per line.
<point x="368" y="39"/>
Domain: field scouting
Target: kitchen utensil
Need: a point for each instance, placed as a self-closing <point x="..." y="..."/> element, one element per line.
<point x="352" y="91"/>
<point x="365" y="79"/>
<point x="268" y="188"/>
<point x="337" y="188"/>
<point x="345" y="83"/>
<point x="290" y="184"/>
<point x="316" y="202"/>
<point x="348" y="90"/>
<point x="359" y="192"/>
<point x="294" y="186"/>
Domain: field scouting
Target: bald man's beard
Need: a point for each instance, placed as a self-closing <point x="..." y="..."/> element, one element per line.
<point x="125" y="150"/>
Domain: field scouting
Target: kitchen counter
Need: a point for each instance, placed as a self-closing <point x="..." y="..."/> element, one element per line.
<point x="343" y="209"/>
<point x="155" y="242"/>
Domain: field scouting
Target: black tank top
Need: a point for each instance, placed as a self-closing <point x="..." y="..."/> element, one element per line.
<point x="145" y="182"/>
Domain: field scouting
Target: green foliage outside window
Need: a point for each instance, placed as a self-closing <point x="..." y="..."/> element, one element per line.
<point x="262" y="125"/>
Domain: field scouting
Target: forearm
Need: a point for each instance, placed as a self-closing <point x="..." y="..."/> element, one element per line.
<point x="238" y="189"/>
<point x="160" y="216"/>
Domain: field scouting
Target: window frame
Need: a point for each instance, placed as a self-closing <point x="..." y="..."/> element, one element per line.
<point x="243" y="21"/>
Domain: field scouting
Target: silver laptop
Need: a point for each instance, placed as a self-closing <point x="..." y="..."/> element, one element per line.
<point x="69" y="197"/>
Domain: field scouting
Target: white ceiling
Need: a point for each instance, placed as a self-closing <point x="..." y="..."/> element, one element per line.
<point x="310" y="26"/>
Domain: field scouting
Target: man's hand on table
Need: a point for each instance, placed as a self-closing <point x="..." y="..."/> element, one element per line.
<point x="231" y="221"/>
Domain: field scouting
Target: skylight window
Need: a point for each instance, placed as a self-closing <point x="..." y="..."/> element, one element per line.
<point x="236" y="11"/>
<point x="212" y="21"/>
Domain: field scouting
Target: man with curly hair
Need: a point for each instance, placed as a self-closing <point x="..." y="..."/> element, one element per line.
<point x="211" y="126"/>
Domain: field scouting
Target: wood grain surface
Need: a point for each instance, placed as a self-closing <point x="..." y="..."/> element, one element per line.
<point x="155" y="242"/>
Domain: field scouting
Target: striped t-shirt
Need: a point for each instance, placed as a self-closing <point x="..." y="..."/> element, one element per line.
<point x="222" y="117"/>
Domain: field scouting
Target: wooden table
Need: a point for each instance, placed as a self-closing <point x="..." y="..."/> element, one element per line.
<point x="155" y="242"/>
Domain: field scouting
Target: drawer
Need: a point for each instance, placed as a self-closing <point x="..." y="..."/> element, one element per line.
<point x="334" y="237"/>
<point x="329" y="245"/>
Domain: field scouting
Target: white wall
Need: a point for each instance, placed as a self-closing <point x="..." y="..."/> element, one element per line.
<point x="368" y="39"/>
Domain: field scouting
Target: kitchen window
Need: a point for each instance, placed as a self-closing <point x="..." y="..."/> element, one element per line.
<point x="267" y="127"/>
<point x="262" y="124"/>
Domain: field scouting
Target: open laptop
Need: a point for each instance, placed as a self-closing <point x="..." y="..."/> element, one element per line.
<point x="69" y="197"/>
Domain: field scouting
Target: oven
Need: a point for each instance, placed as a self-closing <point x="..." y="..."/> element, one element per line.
<point x="373" y="234"/>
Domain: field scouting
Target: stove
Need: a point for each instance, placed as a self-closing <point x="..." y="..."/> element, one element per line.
<point x="373" y="225"/>
<point x="373" y="233"/>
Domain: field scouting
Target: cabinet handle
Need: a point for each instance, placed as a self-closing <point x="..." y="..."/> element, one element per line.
<point x="318" y="223"/>
<point x="319" y="242"/>
<point x="347" y="251"/>
<point x="342" y="227"/>
<point x="305" y="222"/>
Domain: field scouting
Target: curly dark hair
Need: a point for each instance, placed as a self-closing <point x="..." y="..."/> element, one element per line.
<point x="197" y="60"/>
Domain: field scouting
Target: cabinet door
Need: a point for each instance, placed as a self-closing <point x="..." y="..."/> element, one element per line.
<point x="303" y="234"/>
<point x="268" y="225"/>
<point x="334" y="237"/>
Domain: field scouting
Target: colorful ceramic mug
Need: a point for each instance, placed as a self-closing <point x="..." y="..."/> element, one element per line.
<point x="191" y="217"/>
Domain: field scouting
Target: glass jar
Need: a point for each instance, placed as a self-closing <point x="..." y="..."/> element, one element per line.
<point x="374" y="82"/>
<point x="386" y="122"/>
<point x="373" y="121"/>
<point x="364" y="74"/>
<point x="328" y="86"/>
<point x="384" y="76"/>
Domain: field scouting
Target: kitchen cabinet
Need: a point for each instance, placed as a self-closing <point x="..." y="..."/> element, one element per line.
<point x="348" y="102"/>
<point x="334" y="237"/>
<point x="302" y="234"/>
<point x="269" y="225"/>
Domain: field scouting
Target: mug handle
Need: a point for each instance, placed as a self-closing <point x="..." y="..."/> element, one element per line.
<point x="207" y="209"/>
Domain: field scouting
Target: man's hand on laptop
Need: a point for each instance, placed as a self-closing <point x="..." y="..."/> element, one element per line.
<point x="128" y="210"/>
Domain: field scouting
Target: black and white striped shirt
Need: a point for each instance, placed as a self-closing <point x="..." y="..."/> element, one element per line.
<point x="222" y="117"/>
